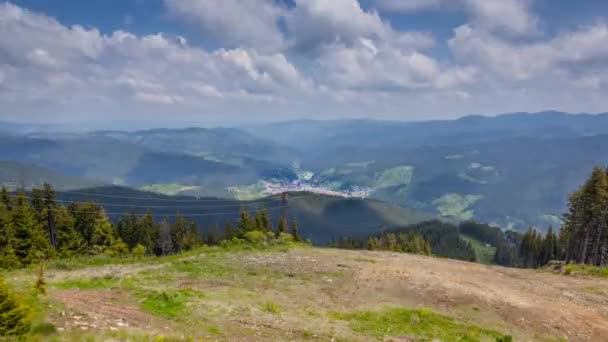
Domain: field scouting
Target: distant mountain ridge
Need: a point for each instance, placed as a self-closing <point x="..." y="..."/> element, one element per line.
<point x="513" y="170"/>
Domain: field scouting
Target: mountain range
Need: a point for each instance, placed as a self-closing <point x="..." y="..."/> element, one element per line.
<point x="511" y="170"/>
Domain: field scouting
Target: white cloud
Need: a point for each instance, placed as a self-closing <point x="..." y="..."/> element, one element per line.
<point x="511" y="16"/>
<point x="566" y="53"/>
<point x="508" y="16"/>
<point x="409" y="5"/>
<point x="45" y="60"/>
<point x="326" y="58"/>
<point x="233" y="22"/>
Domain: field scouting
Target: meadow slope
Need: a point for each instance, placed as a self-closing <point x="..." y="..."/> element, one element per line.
<point x="286" y="294"/>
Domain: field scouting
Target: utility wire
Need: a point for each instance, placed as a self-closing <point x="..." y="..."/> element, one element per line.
<point x="201" y="206"/>
<point x="162" y="199"/>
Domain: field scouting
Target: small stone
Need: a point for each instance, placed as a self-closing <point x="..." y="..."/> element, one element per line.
<point x="113" y="328"/>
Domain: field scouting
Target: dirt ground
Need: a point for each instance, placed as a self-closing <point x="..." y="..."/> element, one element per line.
<point x="308" y="283"/>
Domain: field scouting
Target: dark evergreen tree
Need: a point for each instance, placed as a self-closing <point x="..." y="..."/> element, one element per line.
<point x="178" y="232"/>
<point x="282" y="226"/>
<point x="295" y="231"/>
<point x="245" y="224"/>
<point x="30" y="242"/>
<point x="15" y="319"/>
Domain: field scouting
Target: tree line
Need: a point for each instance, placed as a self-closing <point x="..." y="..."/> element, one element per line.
<point x="582" y="239"/>
<point x="34" y="226"/>
<point x="428" y="238"/>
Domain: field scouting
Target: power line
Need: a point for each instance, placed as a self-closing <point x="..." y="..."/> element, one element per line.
<point x="168" y="215"/>
<point x="240" y="204"/>
<point x="163" y="199"/>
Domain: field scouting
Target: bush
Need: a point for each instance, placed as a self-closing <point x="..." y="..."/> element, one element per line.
<point x="14" y="318"/>
<point x="138" y="251"/>
<point x="256" y="237"/>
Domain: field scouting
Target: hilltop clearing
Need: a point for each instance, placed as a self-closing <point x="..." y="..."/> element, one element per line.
<point x="314" y="294"/>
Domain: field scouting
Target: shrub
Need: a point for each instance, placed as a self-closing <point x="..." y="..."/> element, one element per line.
<point x="14" y="318"/>
<point x="138" y="251"/>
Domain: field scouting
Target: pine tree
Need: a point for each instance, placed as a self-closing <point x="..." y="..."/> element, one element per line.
<point x="295" y="231"/>
<point x="30" y="240"/>
<point x="127" y="229"/>
<point x="15" y="319"/>
<point x="8" y="259"/>
<point x="282" y="226"/>
<point x="5" y="198"/>
<point x="245" y="224"/>
<point x="104" y="239"/>
<point x="192" y="239"/>
<point x="69" y="241"/>
<point x="85" y="218"/>
<point x="146" y="232"/>
<point x="178" y="233"/>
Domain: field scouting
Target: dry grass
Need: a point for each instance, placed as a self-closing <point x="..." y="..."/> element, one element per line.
<point x="316" y="294"/>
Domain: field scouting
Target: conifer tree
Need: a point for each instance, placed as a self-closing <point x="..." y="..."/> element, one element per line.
<point x="178" y="233"/>
<point x="85" y="218"/>
<point x="15" y="319"/>
<point x="30" y="241"/>
<point x="295" y="231"/>
<point x="8" y="259"/>
<point x="5" y="198"/>
<point x="104" y="238"/>
<point x="69" y="241"/>
<point x="245" y="224"/>
<point x="282" y="226"/>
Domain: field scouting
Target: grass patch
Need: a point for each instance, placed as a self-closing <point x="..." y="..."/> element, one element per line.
<point x="371" y="261"/>
<point x="201" y="268"/>
<point x="169" y="304"/>
<point x="272" y="307"/>
<point x="596" y="290"/>
<point x="421" y="324"/>
<point x="484" y="253"/>
<point x="586" y="270"/>
<point x="88" y="284"/>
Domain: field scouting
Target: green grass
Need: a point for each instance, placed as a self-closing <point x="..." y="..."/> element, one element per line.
<point x="485" y="254"/>
<point x="201" y="268"/>
<point x="169" y="304"/>
<point x="421" y="324"/>
<point x="586" y="270"/>
<point x="88" y="284"/>
<point x="272" y="307"/>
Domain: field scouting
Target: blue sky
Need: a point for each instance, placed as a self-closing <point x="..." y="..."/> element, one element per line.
<point x="232" y="61"/>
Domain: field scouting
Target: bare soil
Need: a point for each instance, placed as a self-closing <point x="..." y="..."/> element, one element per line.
<point x="309" y="283"/>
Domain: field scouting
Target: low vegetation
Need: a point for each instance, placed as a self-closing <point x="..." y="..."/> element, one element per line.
<point x="421" y="324"/>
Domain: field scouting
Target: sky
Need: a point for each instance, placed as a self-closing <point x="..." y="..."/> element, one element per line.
<point x="172" y="62"/>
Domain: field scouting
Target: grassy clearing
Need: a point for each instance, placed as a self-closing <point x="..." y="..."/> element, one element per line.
<point x="586" y="270"/>
<point x="421" y="324"/>
<point x="484" y="253"/>
<point x="88" y="284"/>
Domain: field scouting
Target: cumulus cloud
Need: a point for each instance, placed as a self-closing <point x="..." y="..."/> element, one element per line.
<point x="510" y="16"/>
<point x="271" y="60"/>
<point x="409" y="5"/>
<point x="233" y="22"/>
<point x="45" y="59"/>
<point x="568" y="52"/>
